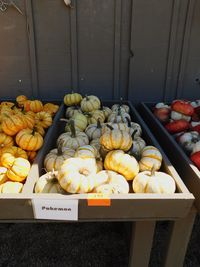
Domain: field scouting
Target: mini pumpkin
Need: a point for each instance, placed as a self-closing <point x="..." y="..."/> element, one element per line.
<point x="76" y="175"/>
<point x="114" y="183"/>
<point x="87" y="151"/>
<point x="137" y="147"/>
<point x="48" y="183"/>
<point x="106" y="111"/>
<point x="71" y="111"/>
<point x="94" y="131"/>
<point x="80" y="121"/>
<point x="154" y="182"/>
<point x="33" y="105"/>
<point x="17" y="152"/>
<point x="123" y="107"/>
<point x="3" y="176"/>
<point x="150" y="157"/>
<point x="116" y="139"/>
<point x="13" y="124"/>
<point x="51" y="108"/>
<point x="6" y="140"/>
<point x="90" y="103"/>
<point x="96" y="143"/>
<point x="119" y="116"/>
<point x="11" y="187"/>
<point x="73" y="139"/>
<point x="43" y="119"/>
<point x="19" y="170"/>
<point x="72" y="99"/>
<point x="21" y="99"/>
<point x="96" y="115"/>
<point x="31" y="155"/>
<point x="122" y="163"/>
<point x="29" y="140"/>
<point x="55" y="158"/>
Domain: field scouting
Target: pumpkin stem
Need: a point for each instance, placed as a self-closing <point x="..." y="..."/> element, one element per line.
<point x="153" y="169"/>
<point x="99" y="124"/>
<point x="121" y="100"/>
<point x="33" y="131"/>
<point x="128" y="122"/>
<point x="72" y="128"/>
<point x="87" y="98"/>
<point x="133" y="134"/>
<point x="60" y="149"/>
<point x="110" y="127"/>
<point x="119" y="111"/>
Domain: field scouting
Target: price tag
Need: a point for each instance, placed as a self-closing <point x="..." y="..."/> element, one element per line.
<point x="98" y="199"/>
<point x="48" y="209"/>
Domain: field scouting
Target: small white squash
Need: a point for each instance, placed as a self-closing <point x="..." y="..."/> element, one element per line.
<point x="48" y="183"/>
<point x="150" y="157"/>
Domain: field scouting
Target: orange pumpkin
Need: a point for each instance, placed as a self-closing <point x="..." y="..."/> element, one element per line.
<point x="38" y="128"/>
<point x="33" y="105"/>
<point x="6" y="140"/>
<point x="17" y="152"/>
<point x="51" y="108"/>
<point x="13" y="124"/>
<point x="44" y="119"/>
<point x="21" y="99"/>
<point x="29" y="140"/>
<point x="31" y="155"/>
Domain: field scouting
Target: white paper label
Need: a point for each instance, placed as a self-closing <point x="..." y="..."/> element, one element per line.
<point x="48" y="209"/>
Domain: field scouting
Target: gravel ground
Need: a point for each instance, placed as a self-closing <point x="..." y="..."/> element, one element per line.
<point x="81" y="245"/>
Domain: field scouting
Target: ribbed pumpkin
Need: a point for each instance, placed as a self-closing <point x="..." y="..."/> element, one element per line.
<point x="76" y="175"/>
<point x="72" y="99"/>
<point x="30" y="120"/>
<point x="96" y="115"/>
<point x="3" y="176"/>
<point x="80" y="121"/>
<point x="33" y="105"/>
<point x="19" y="170"/>
<point x="73" y="139"/>
<point x="7" y="104"/>
<point x="71" y="111"/>
<point x="39" y="129"/>
<point x="55" y="158"/>
<point x="93" y="131"/>
<point x="119" y="116"/>
<point x="11" y="187"/>
<point x="48" y="183"/>
<point x="96" y="143"/>
<point x="13" y="124"/>
<point x="90" y="103"/>
<point x="123" y="107"/>
<point x="51" y="108"/>
<point x="106" y="111"/>
<point x="17" y="152"/>
<point x="122" y="163"/>
<point x="150" y="157"/>
<point x="5" y="140"/>
<point x="43" y="119"/>
<point x="114" y="183"/>
<point x="116" y="139"/>
<point x="31" y="155"/>
<point x="154" y="182"/>
<point x="21" y="99"/>
<point x="86" y="151"/>
<point x="29" y="140"/>
<point x="137" y="146"/>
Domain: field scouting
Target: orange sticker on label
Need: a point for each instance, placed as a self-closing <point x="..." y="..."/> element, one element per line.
<point x="98" y="200"/>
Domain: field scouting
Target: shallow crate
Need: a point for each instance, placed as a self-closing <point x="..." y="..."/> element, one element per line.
<point x="184" y="166"/>
<point x="142" y="209"/>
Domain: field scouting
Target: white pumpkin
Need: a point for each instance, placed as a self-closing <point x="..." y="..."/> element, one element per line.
<point x="150" y="157"/>
<point x="87" y="151"/>
<point x="137" y="146"/>
<point x="196" y="147"/>
<point x="188" y="140"/>
<point x="48" y="183"/>
<point x="158" y="182"/>
<point x="114" y="183"/>
<point x="94" y="131"/>
<point x="76" y="175"/>
<point x="119" y="116"/>
<point x="161" y="105"/>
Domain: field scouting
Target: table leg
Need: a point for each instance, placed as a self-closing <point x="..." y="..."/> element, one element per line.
<point x="141" y="243"/>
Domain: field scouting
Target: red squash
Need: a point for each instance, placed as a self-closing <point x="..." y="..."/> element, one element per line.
<point x="162" y="114"/>
<point x="196" y="128"/>
<point x="177" y="126"/>
<point x="183" y="107"/>
<point x="195" y="158"/>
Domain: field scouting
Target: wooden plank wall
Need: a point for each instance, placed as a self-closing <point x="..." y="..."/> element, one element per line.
<point x="136" y="49"/>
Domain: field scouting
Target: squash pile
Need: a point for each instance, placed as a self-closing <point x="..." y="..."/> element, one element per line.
<point x="22" y="127"/>
<point x="182" y="120"/>
<point x="102" y="151"/>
